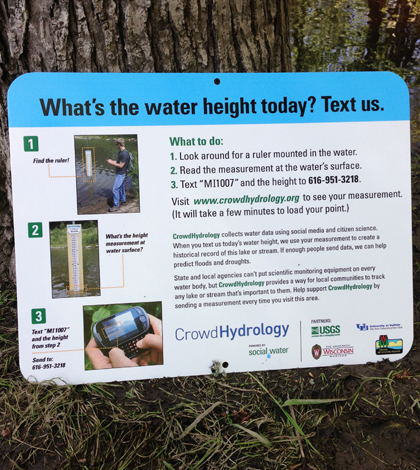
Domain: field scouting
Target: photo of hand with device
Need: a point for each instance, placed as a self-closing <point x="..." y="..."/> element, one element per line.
<point x="153" y="344"/>
<point x="123" y="336"/>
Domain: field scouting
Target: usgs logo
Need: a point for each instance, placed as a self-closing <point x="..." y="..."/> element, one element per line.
<point x="318" y="331"/>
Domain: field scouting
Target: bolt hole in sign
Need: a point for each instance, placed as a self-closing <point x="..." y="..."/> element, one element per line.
<point x="165" y="223"/>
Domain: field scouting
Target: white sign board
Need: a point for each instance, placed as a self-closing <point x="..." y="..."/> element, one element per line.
<point x="232" y="221"/>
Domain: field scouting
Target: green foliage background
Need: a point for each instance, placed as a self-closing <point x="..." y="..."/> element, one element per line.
<point x="58" y="233"/>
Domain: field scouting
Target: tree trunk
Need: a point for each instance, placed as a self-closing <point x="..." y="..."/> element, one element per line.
<point x="131" y="36"/>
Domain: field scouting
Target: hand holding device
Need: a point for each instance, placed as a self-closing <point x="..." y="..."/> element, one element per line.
<point x="122" y="330"/>
<point x="152" y="344"/>
<point x="123" y="340"/>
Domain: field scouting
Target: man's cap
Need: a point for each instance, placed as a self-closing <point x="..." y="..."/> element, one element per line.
<point x="121" y="141"/>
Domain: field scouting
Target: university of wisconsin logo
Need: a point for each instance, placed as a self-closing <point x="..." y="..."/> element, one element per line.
<point x="316" y="351"/>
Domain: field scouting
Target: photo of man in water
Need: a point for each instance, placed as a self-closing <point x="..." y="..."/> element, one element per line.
<point x="121" y="166"/>
<point x="107" y="173"/>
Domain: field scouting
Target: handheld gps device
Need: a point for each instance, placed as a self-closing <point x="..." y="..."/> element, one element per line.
<point x="122" y="330"/>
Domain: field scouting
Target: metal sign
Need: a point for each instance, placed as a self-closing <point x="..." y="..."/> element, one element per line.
<point x="231" y="222"/>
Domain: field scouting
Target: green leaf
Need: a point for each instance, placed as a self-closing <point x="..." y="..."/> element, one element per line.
<point x="257" y="436"/>
<point x="309" y="401"/>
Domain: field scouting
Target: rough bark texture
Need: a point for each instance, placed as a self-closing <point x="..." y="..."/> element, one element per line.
<point x="130" y="36"/>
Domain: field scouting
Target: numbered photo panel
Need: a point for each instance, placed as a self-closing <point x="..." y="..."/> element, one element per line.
<point x="107" y="175"/>
<point x="74" y="259"/>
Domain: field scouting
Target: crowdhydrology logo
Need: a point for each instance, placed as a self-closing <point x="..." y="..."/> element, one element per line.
<point x="232" y="333"/>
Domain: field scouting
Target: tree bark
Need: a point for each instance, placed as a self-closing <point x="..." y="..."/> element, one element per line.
<point x="130" y="36"/>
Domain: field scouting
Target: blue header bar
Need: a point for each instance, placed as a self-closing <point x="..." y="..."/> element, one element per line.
<point x="107" y="99"/>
